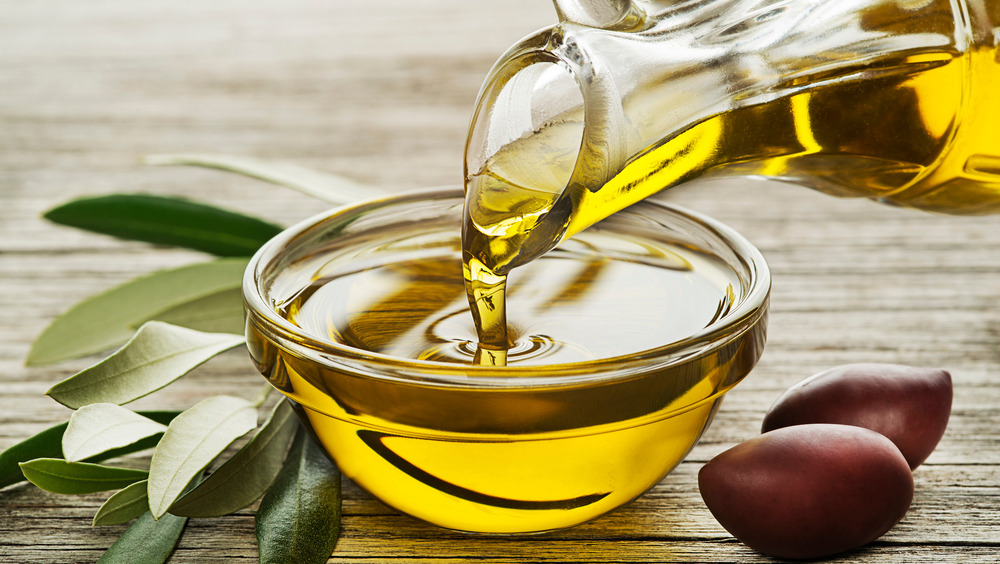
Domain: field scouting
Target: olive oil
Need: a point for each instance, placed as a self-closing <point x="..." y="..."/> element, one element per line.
<point x="598" y="297"/>
<point x="917" y="130"/>
<point x="591" y="410"/>
<point x="496" y="483"/>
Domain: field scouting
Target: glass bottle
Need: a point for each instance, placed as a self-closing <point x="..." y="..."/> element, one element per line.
<point x="892" y="100"/>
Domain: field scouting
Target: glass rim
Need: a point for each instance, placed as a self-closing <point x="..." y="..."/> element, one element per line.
<point x="282" y="333"/>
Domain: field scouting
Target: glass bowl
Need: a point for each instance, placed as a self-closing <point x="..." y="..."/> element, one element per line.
<point x="510" y="449"/>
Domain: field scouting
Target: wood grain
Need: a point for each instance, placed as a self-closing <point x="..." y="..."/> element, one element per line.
<point x="382" y="92"/>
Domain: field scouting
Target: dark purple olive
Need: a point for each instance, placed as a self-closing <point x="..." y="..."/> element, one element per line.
<point x="808" y="491"/>
<point x="908" y="405"/>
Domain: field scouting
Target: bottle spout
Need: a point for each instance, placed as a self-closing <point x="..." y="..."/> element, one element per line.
<point x="548" y="124"/>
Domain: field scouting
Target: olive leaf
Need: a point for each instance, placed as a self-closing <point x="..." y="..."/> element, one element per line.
<point x="221" y="312"/>
<point x="101" y="427"/>
<point x="147" y="541"/>
<point x="110" y="318"/>
<point x="192" y="441"/>
<point x="244" y="477"/>
<point x="321" y="185"/>
<point x="125" y="505"/>
<point x="59" y="476"/>
<point x="48" y="444"/>
<point x="167" y="221"/>
<point x="299" y="517"/>
<point x="158" y="354"/>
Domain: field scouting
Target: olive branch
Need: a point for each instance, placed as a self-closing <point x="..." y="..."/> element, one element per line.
<point x="167" y="323"/>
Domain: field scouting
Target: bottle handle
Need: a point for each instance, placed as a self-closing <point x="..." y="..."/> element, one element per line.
<point x="603" y="14"/>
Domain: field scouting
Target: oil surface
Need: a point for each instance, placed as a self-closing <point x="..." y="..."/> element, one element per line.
<point x="599" y="296"/>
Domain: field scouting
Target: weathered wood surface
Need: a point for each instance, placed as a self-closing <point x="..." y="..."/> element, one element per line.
<point x="382" y="92"/>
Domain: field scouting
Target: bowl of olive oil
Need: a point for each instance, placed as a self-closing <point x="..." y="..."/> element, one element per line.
<point x="622" y="342"/>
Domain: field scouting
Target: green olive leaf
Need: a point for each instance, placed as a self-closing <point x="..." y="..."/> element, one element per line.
<point x="324" y="186"/>
<point x="125" y="505"/>
<point x="59" y="476"/>
<point x="108" y="319"/>
<point x="192" y="441"/>
<point x="244" y="477"/>
<point x="299" y="517"/>
<point x="221" y="312"/>
<point x="164" y="220"/>
<point x="147" y="541"/>
<point x="158" y="354"/>
<point x="162" y="417"/>
<point x="100" y="427"/>
<point x="48" y="444"/>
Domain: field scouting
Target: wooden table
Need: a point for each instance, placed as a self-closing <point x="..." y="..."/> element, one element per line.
<point x="382" y="92"/>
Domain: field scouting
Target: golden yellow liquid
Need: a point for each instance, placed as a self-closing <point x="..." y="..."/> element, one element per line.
<point x="576" y="304"/>
<point x="921" y="130"/>
<point x="509" y="459"/>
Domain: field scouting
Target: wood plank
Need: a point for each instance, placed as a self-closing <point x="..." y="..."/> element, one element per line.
<point x="382" y="92"/>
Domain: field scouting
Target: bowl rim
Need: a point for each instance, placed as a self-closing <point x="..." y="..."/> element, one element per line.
<point x="750" y="311"/>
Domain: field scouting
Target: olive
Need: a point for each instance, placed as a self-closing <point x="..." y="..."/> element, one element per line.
<point x="808" y="491"/>
<point x="908" y="405"/>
